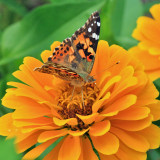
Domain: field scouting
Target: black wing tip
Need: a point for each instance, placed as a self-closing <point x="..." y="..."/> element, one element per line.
<point x="96" y="14"/>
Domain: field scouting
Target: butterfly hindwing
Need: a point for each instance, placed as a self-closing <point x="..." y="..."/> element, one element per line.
<point x="61" y="53"/>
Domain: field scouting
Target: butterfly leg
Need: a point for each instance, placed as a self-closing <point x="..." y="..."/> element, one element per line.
<point x="72" y="92"/>
<point x="82" y="97"/>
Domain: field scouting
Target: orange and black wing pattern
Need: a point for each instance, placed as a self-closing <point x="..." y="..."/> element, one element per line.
<point x="78" y="52"/>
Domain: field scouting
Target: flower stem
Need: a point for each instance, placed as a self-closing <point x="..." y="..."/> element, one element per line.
<point x="94" y="149"/>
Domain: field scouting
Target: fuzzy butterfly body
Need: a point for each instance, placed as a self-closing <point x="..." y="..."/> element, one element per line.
<point x="74" y="58"/>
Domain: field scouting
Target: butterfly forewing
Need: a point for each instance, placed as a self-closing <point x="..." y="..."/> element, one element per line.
<point x="85" y="41"/>
<point x="78" y="52"/>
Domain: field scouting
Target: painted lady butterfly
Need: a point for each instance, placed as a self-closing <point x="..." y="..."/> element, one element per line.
<point x="74" y="58"/>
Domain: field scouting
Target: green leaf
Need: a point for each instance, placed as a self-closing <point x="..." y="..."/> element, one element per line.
<point x="106" y="29"/>
<point x="0" y="43"/>
<point x="7" y="150"/>
<point x="157" y="85"/>
<point x="42" y="26"/>
<point x="148" y="5"/>
<point x="153" y="154"/>
<point x="68" y="1"/>
<point x="49" y="149"/>
<point x="15" y="6"/>
<point x="124" y="15"/>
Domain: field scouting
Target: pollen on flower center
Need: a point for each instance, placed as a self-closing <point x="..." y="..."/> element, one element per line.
<point x="77" y="101"/>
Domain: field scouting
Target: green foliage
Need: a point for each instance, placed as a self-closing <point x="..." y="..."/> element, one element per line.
<point x="153" y="154"/>
<point x="148" y="5"/>
<point x="121" y="17"/>
<point x="49" y="149"/>
<point x="54" y="21"/>
<point x="7" y="150"/>
<point x="15" y="6"/>
<point x="43" y="26"/>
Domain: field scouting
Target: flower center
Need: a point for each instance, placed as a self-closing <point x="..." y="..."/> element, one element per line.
<point x="78" y="100"/>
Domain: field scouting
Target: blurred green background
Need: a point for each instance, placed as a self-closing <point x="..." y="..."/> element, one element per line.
<point x="27" y="27"/>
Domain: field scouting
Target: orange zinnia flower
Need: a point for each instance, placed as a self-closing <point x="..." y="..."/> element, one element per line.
<point x="116" y="117"/>
<point x="148" y="49"/>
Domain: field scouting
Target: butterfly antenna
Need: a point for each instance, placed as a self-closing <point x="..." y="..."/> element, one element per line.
<point x="108" y="68"/>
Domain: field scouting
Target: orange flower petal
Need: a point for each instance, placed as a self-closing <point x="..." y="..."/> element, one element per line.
<point x="137" y="34"/>
<point x="100" y="63"/>
<point x="150" y="62"/>
<point x="45" y="54"/>
<point x="28" y="142"/>
<point x="110" y="114"/>
<point x="54" y="45"/>
<point x="121" y="104"/>
<point x="132" y="125"/>
<point x="149" y="27"/>
<point x="108" y="85"/>
<point x="6" y="125"/>
<point x="152" y="134"/>
<point x="20" y="137"/>
<point x="78" y="133"/>
<point x="131" y="139"/>
<point x="24" y="90"/>
<point x="125" y="153"/>
<point x="88" y="119"/>
<point x="37" y="151"/>
<point x="47" y="135"/>
<point x="61" y="122"/>
<point x="33" y="121"/>
<point x="54" y="153"/>
<point x="100" y="102"/>
<point x="150" y="46"/>
<point x="145" y="98"/>
<point x="107" y="144"/>
<point x="26" y="129"/>
<point x="107" y="157"/>
<point x="155" y="12"/>
<point x="133" y="113"/>
<point x="153" y="74"/>
<point x="100" y="128"/>
<point x="31" y="63"/>
<point x="25" y="105"/>
<point x="125" y="85"/>
<point x="27" y="91"/>
<point x="155" y="110"/>
<point x="118" y="54"/>
<point x="87" y="150"/>
<point x="103" y="79"/>
<point x="27" y="71"/>
<point x="68" y="152"/>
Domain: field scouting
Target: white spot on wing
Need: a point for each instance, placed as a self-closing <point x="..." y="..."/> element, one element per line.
<point x="95" y="36"/>
<point x="92" y="24"/>
<point x="94" y="21"/>
<point x="98" y="24"/>
<point x="89" y="29"/>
